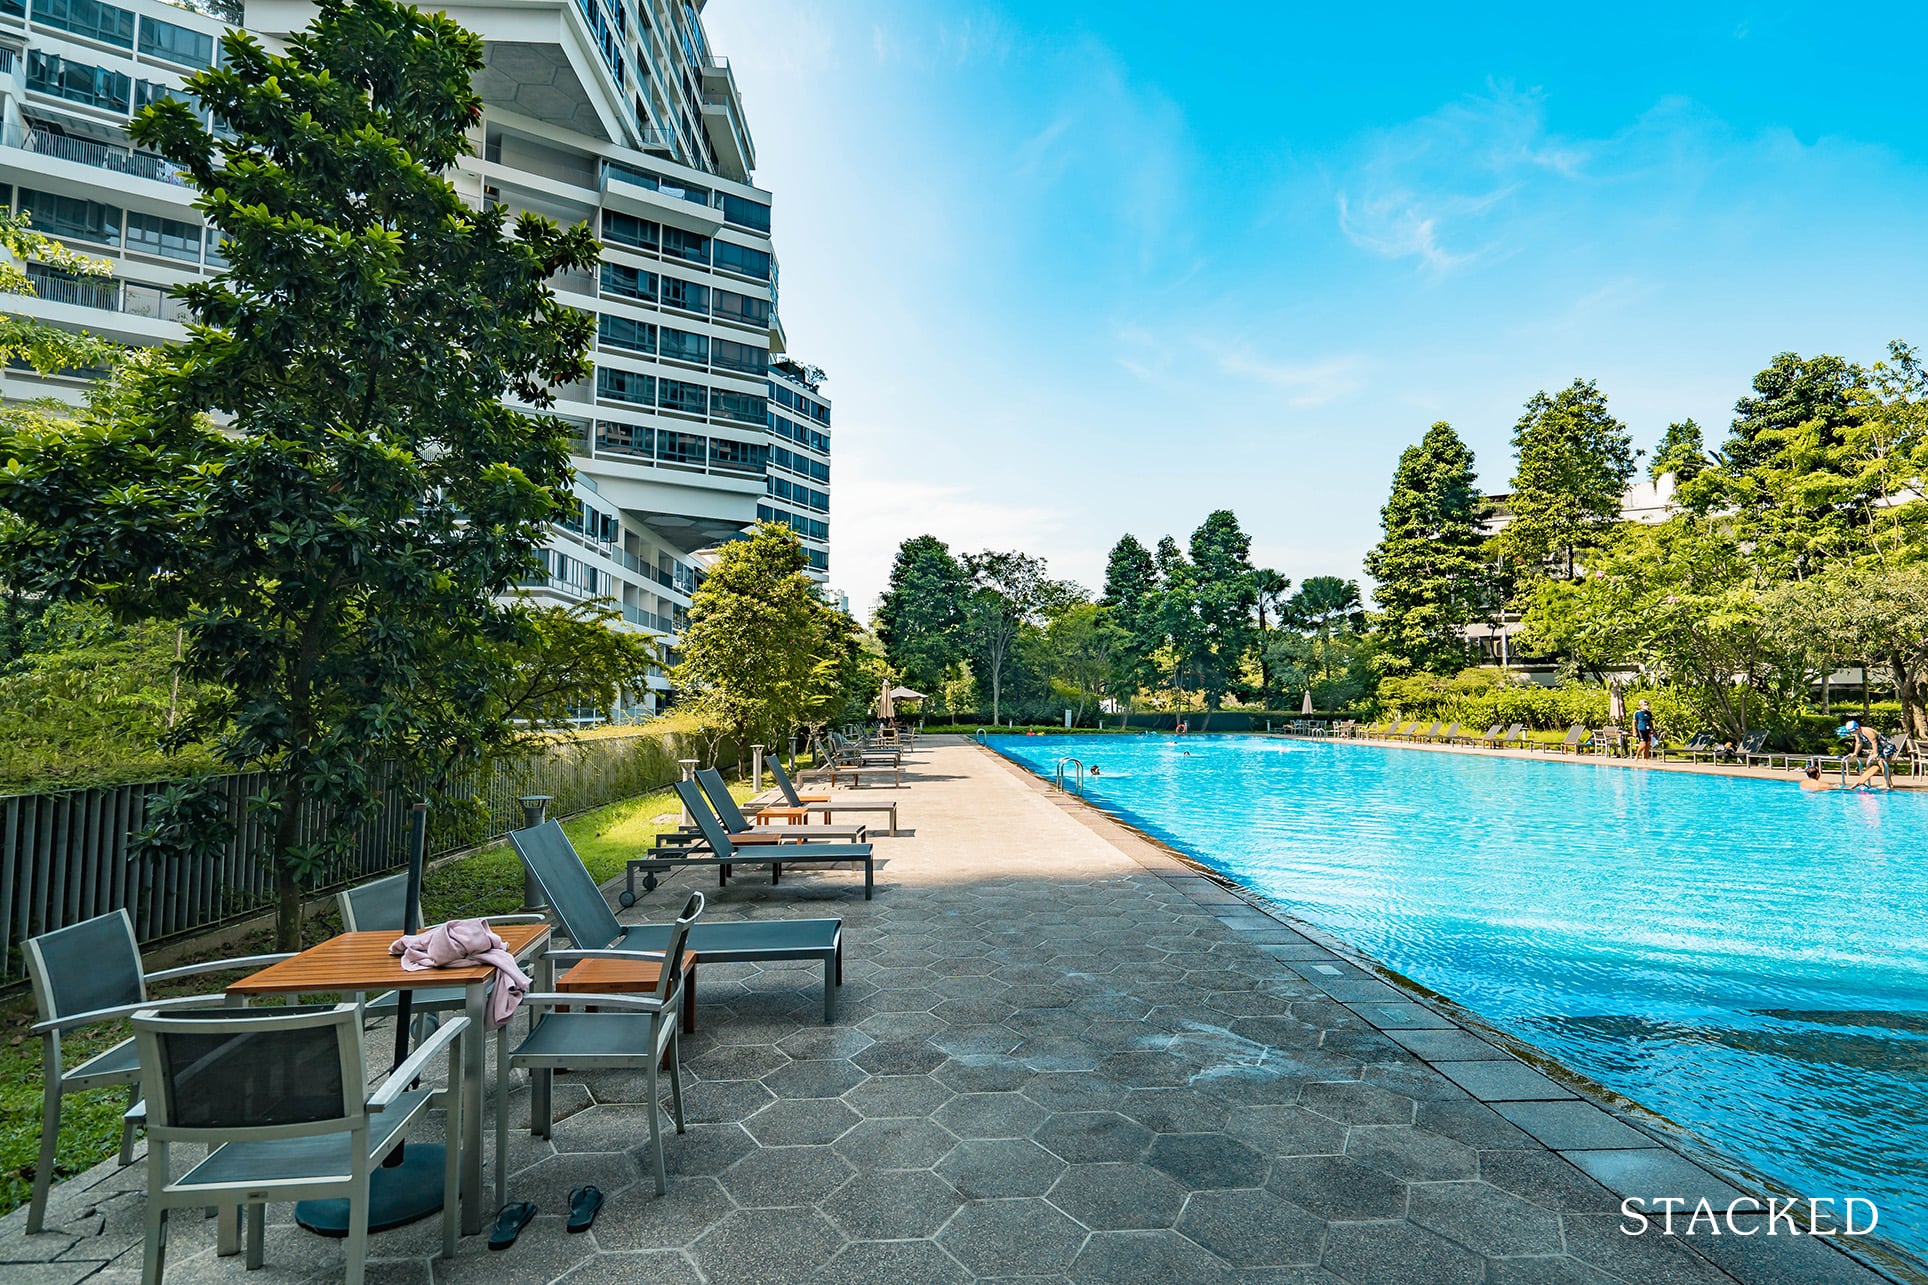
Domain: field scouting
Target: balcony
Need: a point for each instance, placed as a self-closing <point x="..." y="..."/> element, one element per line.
<point x="123" y="311"/>
<point x="723" y="121"/>
<point x="103" y="170"/>
<point x="664" y="200"/>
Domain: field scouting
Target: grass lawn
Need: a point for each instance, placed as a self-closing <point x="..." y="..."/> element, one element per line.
<point x="487" y="883"/>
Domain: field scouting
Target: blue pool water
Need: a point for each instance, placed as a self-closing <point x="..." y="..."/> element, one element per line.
<point x="1741" y="956"/>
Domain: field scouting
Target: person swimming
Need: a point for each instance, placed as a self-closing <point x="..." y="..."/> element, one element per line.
<point x="1812" y="780"/>
<point x="1095" y="771"/>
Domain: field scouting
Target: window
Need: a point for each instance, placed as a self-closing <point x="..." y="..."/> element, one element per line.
<point x="729" y="355"/>
<point x="748" y="214"/>
<point x="624" y="386"/>
<point x="679" y="448"/>
<point x="681" y="345"/>
<point x="151" y="234"/>
<point x="176" y="44"/>
<point x="745" y="408"/>
<point x="146" y="91"/>
<point x="96" y="21"/>
<point x="783" y="395"/>
<point x="216" y="258"/>
<point x="631" y="283"/>
<point x="626" y="332"/>
<point x="625" y="229"/>
<point x="741" y="308"/>
<point x="744" y="261"/>
<point x="78" y="82"/>
<point x="747" y="457"/>
<point x="691" y="246"/>
<point x="69" y="216"/>
<point x="628" y="439"/>
<point x="681" y="395"/>
<point x="687" y="295"/>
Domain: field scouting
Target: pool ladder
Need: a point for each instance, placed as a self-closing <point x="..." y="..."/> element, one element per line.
<point x="1077" y="776"/>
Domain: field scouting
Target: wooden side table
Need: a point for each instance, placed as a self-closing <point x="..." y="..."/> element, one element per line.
<point x="623" y="976"/>
<point x="787" y="815"/>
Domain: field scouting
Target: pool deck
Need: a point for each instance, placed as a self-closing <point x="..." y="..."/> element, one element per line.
<point x="1063" y="1053"/>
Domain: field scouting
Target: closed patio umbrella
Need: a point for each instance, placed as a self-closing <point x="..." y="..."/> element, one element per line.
<point x="1305" y="706"/>
<point x="1616" y="703"/>
<point x="885" y="709"/>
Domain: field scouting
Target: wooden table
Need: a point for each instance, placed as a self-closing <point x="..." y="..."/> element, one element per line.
<point x="359" y="963"/>
<point x="626" y="976"/>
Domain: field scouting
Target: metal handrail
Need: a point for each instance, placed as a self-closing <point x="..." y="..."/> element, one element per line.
<point x="1077" y="777"/>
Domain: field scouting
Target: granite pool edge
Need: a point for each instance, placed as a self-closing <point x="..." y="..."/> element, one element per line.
<point x="1717" y="1175"/>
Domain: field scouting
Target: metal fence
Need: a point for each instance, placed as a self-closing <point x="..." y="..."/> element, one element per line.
<point x="69" y="855"/>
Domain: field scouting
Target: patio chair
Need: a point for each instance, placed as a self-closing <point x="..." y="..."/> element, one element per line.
<point x="625" y="1032"/>
<point x="1610" y="740"/>
<point x="1515" y="737"/>
<point x="826" y="803"/>
<point x="1448" y="736"/>
<point x="743" y="831"/>
<point x="1753" y="746"/>
<point x="87" y="974"/>
<point x="843" y="748"/>
<point x="1490" y="739"/>
<point x="278" y="1099"/>
<point x="585" y="918"/>
<point x="1699" y="745"/>
<point x="1577" y="739"/>
<point x="1423" y="734"/>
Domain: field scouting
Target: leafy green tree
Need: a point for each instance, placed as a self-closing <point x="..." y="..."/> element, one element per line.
<point x="1681" y="452"/>
<point x="1085" y="644"/>
<point x="1131" y="593"/>
<point x="1793" y="397"/>
<point x="347" y="542"/>
<point x="920" y="615"/>
<point x="1178" y="627"/>
<point x="762" y="653"/>
<point x="1430" y="568"/>
<point x="1574" y="462"/>
<point x="1226" y="599"/>
<point x="1008" y="590"/>
<point x="1269" y="590"/>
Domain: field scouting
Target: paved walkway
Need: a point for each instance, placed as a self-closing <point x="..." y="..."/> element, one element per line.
<point x="1061" y="1054"/>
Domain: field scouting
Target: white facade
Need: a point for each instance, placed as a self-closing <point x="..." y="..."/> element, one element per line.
<point x="611" y="112"/>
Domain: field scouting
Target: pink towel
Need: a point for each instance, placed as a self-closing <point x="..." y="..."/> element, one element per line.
<point x="460" y="943"/>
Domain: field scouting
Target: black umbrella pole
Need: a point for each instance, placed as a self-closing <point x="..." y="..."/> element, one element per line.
<point x="411" y="923"/>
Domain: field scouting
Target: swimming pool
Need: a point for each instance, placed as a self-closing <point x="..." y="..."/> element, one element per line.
<point x="1741" y="956"/>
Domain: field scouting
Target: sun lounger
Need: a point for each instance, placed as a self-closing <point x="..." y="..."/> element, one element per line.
<point x="1491" y="738"/>
<point x="742" y="831"/>
<point x="1448" y="736"/>
<point x="1700" y="745"/>
<point x="826" y="804"/>
<point x="1577" y="739"/>
<point x="578" y="906"/>
<point x="719" y="850"/>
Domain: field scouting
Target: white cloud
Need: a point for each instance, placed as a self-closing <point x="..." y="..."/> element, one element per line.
<point x="1305" y="384"/>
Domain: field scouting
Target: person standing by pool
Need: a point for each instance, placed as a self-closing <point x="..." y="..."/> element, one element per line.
<point x="1643" y="729"/>
<point x="1812" y="780"/>
<point x="1865" y="742"/>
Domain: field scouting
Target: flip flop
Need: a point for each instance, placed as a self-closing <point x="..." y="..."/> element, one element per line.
<point x="509" y="1222"/>
<point x="584" y="1203"/>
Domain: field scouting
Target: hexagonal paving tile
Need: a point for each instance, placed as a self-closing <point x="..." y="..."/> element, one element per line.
<point x="983" y="1073"/>
<point x="1092" y="1137"/>
<point x="896" y="1143"/>
<point x="825" y="1041"/>
<point x="801" y="1123"/>
<point x="893" y="1206"/>
<point x="1399" y="1251"/>
<point x="898" y="1095"/>
<point x="1112" y="1197"/>
<point x="723" y="1101"/>
<point x="638" y="1218"/>
<point x="1286" y="1131"/>
<point x="1012" y="1238"/>
<point x="984" y="1169"/>
<point x="770" y="1177"/>
<point x="990" y="1115"/>
<point x="900" y="1262"/>
<point x="1334" y="1187"/>
<point x="701" y="1149"/>
<point x="1252" y="1228"/>
<point x="901" y="1057"/>
<point x="1146" y="1258"/>
<point x="821" y="1078"/>
<point x="1203" y="1161"/>
<point x="737" y="1062"/>
<point x="1354" y="1103"/>
<point x="762" y="1245"/>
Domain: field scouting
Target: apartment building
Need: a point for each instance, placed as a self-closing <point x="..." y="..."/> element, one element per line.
<point x="610" y="112"/>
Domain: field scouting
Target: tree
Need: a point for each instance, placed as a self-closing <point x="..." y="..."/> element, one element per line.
<point x="1269" y="588"/>
<point x="369" y="504"/>
<point x="1084" y="643"/>
<point x="920" y="614"/>
<point x="758" y="637"/>
<point x="1794" y="392"/>
<point x="1681" y="452"/>
<point x="1221" y="558"/>
<point x="1430" y="569"/>
<point x="1131" y="593"/>
<point x="1574" y="462"/>
<point x="1007" y="590"/>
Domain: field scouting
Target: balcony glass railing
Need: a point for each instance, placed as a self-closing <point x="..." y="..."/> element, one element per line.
<point x="104" y="156"/>
<point x="130" y="297"/>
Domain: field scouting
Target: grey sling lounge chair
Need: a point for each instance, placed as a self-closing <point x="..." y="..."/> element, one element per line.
<point x="825" y="803"/>
<point x="84" y="975"/>
<point x="585" y="917"/>
<point x="277" y="1097"/>
<point x="741" y="828"/>
<point x="626" y="1032"/>
<point x="715" y="847"/>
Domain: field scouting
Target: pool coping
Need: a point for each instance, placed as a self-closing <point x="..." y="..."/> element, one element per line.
<point x="1612" y="1139"/>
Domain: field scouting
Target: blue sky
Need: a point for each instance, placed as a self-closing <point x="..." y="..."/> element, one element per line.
<point x="1077" y="269"/>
